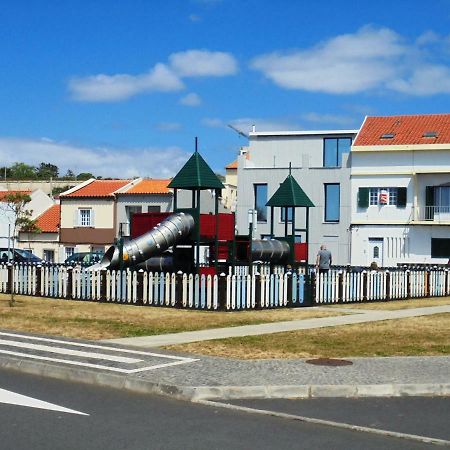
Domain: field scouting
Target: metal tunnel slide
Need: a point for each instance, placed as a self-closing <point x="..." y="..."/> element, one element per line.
<point x="170" y="231"/>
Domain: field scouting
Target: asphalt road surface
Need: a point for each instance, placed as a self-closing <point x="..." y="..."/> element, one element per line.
<point x="42" y="413"/>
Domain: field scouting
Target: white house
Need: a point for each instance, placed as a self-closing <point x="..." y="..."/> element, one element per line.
<point x="39" y="202"/>
<point x="400" y="190"/>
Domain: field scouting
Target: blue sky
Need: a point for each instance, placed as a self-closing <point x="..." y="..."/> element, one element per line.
<point x="121" y="88"/>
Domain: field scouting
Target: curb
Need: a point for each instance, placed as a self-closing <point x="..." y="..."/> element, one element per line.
<point x="200" y="393"/>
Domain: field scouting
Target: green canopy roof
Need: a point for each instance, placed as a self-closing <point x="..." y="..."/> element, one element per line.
<point x="290" y="194"/>
<point x="196" y="174"/>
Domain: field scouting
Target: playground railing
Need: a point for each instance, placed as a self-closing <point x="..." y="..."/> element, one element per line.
<point x="241" y="291"/>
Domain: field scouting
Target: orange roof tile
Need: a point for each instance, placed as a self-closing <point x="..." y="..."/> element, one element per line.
<point x="406" y="130"/>
<point x="234" y="164"/>
<point x="98" y="188"/>
<point x="3" y="194"/>
<point x="149" y="186"/>
<point x="48" y="221"/>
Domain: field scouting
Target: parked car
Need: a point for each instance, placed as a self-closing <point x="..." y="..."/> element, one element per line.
<point x="84" y="258"/>
<point x="19" y="255"/>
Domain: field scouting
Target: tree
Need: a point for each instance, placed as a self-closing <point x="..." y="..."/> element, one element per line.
<point x="22" y="171"/>
<point x="5" y="172"/>
<point x="16" y="203"/>
<point x="45" y="171"/>
<point x="85" y="176"/>
<point x="69" y="175"/>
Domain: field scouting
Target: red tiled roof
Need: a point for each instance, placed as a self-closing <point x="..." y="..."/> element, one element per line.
<point x="3" y="194"/>
<point x="149" y="186"/>
<point x="234" y="164"/>
<point x="48" y="221"/>
<point x="406" y="130"/>
<point x="98" y="188"/>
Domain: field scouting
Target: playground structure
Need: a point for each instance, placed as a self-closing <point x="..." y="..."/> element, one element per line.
<point x="191" y="242"/>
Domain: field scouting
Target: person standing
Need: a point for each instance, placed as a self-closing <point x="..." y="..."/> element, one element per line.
<point x="323" y="260"/>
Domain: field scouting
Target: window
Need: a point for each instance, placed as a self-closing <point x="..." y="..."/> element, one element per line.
<point x="333" y="149"/>
<point x="84" y="217"/>
<point x="260" y="202"/>
<point x="49" y="255"/>
<point x="69" y="251"/>
<point x="132" y="209"/>
<point x="442" y="199"/>
<point x="283" y="214"/>
<point x="383" y="196"/>
<point x="440" y="248"/>
<point x="332" y="202"/>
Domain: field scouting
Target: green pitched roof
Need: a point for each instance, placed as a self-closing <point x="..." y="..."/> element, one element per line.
<point x="289" y="194"/>
<point x="196" y="174"/>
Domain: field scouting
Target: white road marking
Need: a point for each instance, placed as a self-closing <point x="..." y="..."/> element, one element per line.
<point x="103" y="347"/>
<point x="13" y="398"/>
<point x="66" y="351"/>
<point x="331" y="423"/>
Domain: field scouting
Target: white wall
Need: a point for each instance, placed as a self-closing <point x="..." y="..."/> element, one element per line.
<point x="401" y="244"/>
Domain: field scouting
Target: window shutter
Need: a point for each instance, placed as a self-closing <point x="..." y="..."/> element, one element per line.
<point x="429" y="201"/>
<point x="363" y="197"/>
<point x="429" y="196"/>
<point x="76" y="218"/>
<point x="401" y="197"/>
<point x="92" y="218"/>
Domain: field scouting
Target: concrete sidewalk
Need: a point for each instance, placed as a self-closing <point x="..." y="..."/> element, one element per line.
<point x="360" y="316"/>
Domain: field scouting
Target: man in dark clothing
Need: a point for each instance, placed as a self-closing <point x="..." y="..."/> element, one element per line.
<point x="324" y="260"/>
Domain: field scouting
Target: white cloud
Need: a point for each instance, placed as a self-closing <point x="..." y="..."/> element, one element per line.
<point x="213" y="122"/>
<point x="370" y="59"/>
<point x="169" y="126"/>
<point x="191" y="99"/>
<point x="335" y="119"/>
<point x="106" y="162"/>
<point x="109" y="88"/>
<point x="203" y="63"/>
<point x="194" y="18"/>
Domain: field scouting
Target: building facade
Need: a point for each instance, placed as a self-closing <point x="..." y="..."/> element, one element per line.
<point x="320" y="164"/>
<point x="400" y="191"/>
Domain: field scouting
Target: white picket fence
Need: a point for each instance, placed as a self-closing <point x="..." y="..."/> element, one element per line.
<point x="230" y="292"/>
<point x="339" y="286"/>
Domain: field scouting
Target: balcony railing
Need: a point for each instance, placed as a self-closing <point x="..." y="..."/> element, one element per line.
<point x="436" y="214"/>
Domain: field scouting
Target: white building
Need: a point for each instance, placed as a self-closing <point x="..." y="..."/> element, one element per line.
<point x="400" y="190"/>
<point x="39" y="202"/>
<point x="320" y="164"/>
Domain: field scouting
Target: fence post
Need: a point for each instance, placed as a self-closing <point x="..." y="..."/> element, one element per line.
<point x="340" y="287"/>
<point x="427" y="283"/>
<point x="179" y="289"/>
<point x="38" y="281"/>
<point x="289" y="289"/>
<point x="365" y="285"/>
<point x="103" y="285"/>
<point x="388" y="285"/>
<point x="258" y="299"/>
<point x="69" y="282"/>
<point x="10" y="287"/>
<point x="447" y="293"/>
<point x="222" y="288"/>
<point x="310" y="288"/>
<point x="408" y="284"/>
<point x="140" y="287"/>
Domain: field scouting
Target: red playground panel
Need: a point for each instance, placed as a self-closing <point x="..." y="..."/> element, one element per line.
<point x="143" y="222"/>
<point x="300" y="251"/>
<point x="208" y="226"/>
<point x="207" y="271"/>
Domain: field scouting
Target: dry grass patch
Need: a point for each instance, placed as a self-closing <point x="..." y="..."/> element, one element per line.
<point x="418" y="336"/>
<point x="396" y="304"/>
<point x="90" y="320"/>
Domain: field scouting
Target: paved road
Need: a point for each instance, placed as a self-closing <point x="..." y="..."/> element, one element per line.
<point x="99" y="418"/>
